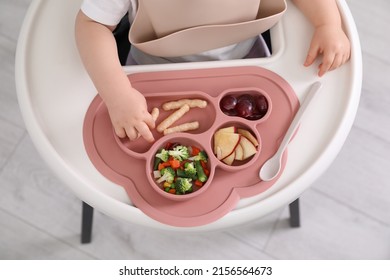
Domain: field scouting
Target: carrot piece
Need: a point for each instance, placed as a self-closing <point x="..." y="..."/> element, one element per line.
<point x="205" y="169"/>
<point x="195" y="151"/>
<point x="204" y="165"/>
<point x="168" y="146"/>
<point x="173" y="191"/>
<point x="174" y="163"/>
<point x="163" y="165"/>
<point x="198" y="183"/>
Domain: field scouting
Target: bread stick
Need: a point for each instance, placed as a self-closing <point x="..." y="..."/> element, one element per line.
<point x="182" y="127"/>
<point x="171" y="105"/>
<point x="173" y="118"/>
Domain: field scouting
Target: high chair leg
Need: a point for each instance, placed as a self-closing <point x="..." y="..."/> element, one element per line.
<point x="295" y="220"/>
<point x="86" y="223"/>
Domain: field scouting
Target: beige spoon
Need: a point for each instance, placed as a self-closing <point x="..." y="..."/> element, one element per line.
<point x="272" y="166"/>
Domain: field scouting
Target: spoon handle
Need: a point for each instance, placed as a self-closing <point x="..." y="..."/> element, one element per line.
<point x="297" y="118"/>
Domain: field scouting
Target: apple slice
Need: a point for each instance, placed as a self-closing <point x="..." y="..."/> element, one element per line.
<point x="248" y="135"/>
<point x="225" y="143"/>
<point x="230" y="158"/>
<point x="247" y="147"/>
<point x="239" y="152"/>
<point x="229" y="129"/>
<point x="218" y="152"/>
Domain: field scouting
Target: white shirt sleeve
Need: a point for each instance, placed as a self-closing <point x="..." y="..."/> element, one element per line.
<point x="108" y="12"/>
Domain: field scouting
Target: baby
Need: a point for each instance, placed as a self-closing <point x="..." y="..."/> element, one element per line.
<point x="127" y="107"/>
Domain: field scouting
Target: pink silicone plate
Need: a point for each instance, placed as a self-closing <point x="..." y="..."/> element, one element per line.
<point x="129" y="164"/>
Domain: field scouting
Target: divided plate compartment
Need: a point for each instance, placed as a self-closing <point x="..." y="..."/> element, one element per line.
<point x="211" y="119"/>
<point x="140" y="148"/>
<point x="129" y="163"/>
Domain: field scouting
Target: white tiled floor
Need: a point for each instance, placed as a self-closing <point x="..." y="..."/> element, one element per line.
<point x="345" y="215"/>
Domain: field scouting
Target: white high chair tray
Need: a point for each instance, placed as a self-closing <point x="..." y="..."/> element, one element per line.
<point x="54" y="93"/>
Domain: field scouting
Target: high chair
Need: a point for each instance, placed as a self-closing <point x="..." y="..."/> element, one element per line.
<point x="55" y="92"/>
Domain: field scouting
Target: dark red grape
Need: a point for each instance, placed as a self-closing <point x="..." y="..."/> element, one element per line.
<point x="255" y="116"/>
<point x="244" y="108"/>
<point x="231" y="113"/>
<point x="228" y="102"/>
<point x="245" y="96"/>
<point x="261" y="104"/>
<point x="246" y="105"/>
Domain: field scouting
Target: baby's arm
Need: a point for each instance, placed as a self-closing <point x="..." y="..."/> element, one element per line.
<point x="329" y="39"/>
<point x="126" y="106"/>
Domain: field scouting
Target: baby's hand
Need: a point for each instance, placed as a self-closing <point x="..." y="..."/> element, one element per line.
<point x="130" y="117"/>
<point x="333" y="44"/>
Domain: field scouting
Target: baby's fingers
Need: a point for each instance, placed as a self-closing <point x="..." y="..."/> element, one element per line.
<point x="144" y="131"/>
<point x="131" y="132"/>
<point x="337" y="62"/>
<point x="150" y="121"/>
<point x="120" y="131"/>
<point x="311" y="55"/>
<point x="346" y="56"/>
<point x="327" y="62"/>
<point x="332" y="61"/>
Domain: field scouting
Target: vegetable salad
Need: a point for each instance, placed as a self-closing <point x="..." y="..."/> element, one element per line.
<point x="180" y="169"/>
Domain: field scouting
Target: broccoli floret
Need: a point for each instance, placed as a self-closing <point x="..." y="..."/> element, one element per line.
<point x="200" y="156"/>
<point x="179" y="152"/>
<point x="199" y="170"/>
<point x="189" y="170"/>
<point x="183" y="185"/>
<point x="163" y="155"/>
<point x="167" y="175"/>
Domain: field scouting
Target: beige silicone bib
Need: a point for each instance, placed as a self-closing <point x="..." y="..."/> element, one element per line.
<point x="172" y="28"/>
